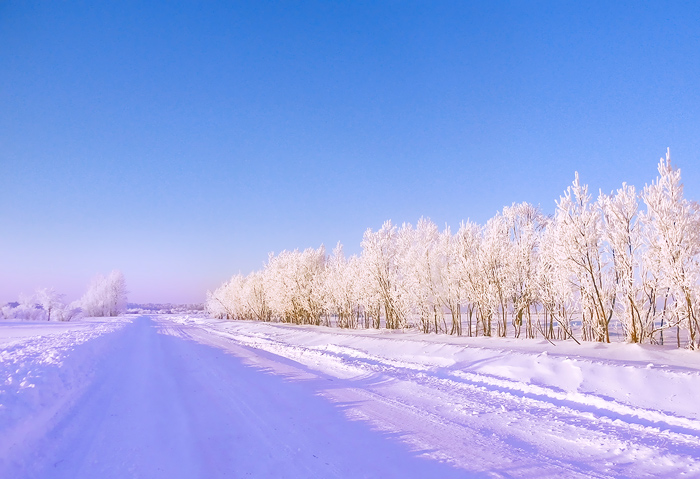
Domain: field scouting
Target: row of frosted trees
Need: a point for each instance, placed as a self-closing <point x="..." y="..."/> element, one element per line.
<point x="628" y="262"/>
<point x="105" y="296"/>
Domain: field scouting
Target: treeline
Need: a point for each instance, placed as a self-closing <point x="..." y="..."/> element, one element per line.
<point x="105" y="296"/>
<point x="165" y="308"/>
<point x="630" y="259"/>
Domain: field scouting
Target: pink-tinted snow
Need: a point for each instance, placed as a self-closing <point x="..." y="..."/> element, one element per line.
<point x="179" y="396"/>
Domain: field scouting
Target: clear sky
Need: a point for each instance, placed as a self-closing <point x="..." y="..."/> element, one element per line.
<point x="182" y="142"/>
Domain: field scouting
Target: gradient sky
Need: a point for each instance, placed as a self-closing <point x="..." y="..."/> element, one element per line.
<point x="182" y="142"/>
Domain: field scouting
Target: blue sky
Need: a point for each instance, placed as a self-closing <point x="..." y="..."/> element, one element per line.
<point x="182" y="142"/>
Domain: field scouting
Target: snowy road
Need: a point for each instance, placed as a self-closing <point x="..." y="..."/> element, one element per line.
<point x="165" y="407"/>
<point x="167" y="397"/>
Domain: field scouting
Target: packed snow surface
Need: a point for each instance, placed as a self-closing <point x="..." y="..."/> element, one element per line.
<point x="177" y="396"/>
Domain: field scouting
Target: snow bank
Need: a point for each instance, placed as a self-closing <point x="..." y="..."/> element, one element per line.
<point x="42" y="368"/>
<point x="643" y="377"/>
<point x="616" y="409"/>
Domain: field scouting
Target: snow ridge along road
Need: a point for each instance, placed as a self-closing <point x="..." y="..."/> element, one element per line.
<point x="43" y="369"/>
<point x="174" y="396"/>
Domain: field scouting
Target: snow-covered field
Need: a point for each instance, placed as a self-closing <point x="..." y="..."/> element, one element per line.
<point x="44" y="367"/>
<point x="179" y="396"/>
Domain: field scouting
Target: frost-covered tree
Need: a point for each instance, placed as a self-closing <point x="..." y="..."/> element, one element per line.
<point x="380" y="257"/>
<point x="294" y="282"/>
<point x="44" y="305"/>
<point x="49" y="300"/>
<point x="256" y="296"/>
<point x="106" y="296"/>
<point x="580" y="240"/>
<point x="368" y="293"/>
<point x="474" y="291"/>
<point x="228" y="301"/>
<point x="419" y="261"/>
<point x="524" y="222"/>
<point x="27" y="309"/>
<point x="493" y="264"/>
<point x="341" y="293"/>
<point x="673" y="229"/>
<point x="68" y="312"/>
<point x="554" y="290"/>
<point x="623" y="244"/>
<point x="450" y="281"/>
<point x="598" y="261"/>
<point x="214" y="304"/>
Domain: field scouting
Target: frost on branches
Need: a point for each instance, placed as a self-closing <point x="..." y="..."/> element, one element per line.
<point x="626" y="265"/>
<point x="106" y="296"/>
<point x="672" y="233"/>
<point x="46" y="304"/>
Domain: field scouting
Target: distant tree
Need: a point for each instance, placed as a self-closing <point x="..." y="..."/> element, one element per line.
<point x="106" y="296"/>
<point x="69" y="311"/>
<point x="49" y="300"/>
<point x="118" y="292"/>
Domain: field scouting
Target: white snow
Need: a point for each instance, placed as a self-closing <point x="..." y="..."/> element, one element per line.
<point x="185" y="396"/>
<point x="613" y="409"/>
<point x="43" y="367"/>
